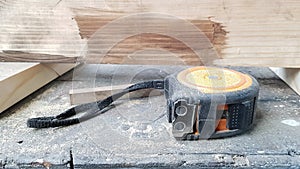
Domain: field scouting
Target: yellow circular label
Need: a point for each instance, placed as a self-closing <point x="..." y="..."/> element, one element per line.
<point x="214" y="80"/>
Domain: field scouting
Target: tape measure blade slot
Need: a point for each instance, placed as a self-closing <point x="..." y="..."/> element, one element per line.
<point x="184" y="115"/>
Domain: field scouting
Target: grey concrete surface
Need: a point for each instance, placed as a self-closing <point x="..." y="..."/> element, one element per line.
<point x="135" y="134"/>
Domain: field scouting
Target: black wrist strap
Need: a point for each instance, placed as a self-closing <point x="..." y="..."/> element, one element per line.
<point x="62" y="119"/>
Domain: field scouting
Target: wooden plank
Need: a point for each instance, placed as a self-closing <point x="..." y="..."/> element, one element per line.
<point x="289" y="76"/>
<point x="18" y="80"/>
<point x="86" y="95"/>
<point x="19" y="56"/>
<point x="291" y="62"/>
<point x="238" y="30"/>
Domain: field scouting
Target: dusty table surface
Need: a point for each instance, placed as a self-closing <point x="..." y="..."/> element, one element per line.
<point x="136" y="133"/>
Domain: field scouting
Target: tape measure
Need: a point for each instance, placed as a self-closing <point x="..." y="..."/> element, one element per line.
<point x="202" y="103"/>
<point x="209" y="102"/>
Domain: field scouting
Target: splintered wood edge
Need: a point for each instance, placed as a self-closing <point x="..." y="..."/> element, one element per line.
<point x="20" y="56"/>
<point x="87" y="95"/>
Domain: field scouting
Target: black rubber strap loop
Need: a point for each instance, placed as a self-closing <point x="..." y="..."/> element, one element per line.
<point x="61" y="119"/>
<point x="45" y="122"/>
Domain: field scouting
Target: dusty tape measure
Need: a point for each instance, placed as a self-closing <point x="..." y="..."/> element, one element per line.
<point x="203" y="102"/>
<point x="207" y="102"/>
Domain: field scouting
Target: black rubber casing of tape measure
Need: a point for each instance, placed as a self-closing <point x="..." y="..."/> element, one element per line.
<point x="191" y="110"/>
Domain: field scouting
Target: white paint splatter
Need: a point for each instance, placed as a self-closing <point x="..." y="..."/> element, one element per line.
<point x="291" y="122"/>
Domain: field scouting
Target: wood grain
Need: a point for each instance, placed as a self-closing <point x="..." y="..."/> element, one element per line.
<point x="238" y="30"/>
<point x="18" y="80"/>
<point x="19" y="56"/>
